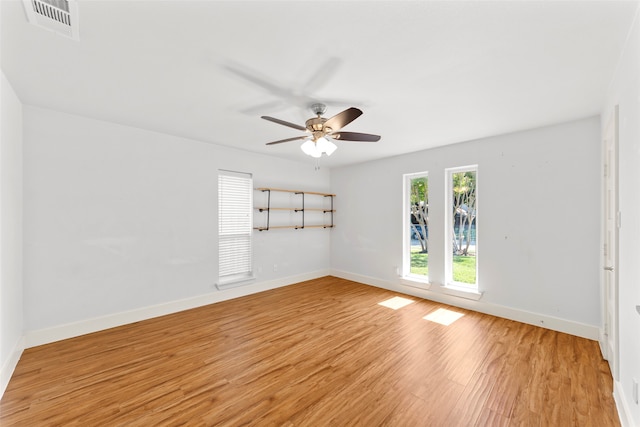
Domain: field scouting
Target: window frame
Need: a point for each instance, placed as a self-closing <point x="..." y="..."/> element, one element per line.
<point x="235" y="222"/>
<point x="466" y="290"/>
<point x="408" y="278"/>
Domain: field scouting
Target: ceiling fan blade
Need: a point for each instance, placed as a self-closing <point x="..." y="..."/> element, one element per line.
<point x="285" y="95"/>
<point x="286" y="140"/>
<point x="282" y="122"/>
<point x="340" y="102"/>
<point x="262" y="82"/>
<point x="271" y="106"/>
<point x="355" y="136"/>
<point x="342" y="119"/>
<point x="322" y="75"/>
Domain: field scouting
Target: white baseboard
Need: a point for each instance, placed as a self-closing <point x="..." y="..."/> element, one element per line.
<point x="624" y="412"/>
<point x="10" y="365"/>
<point x="602" y="341"/>
<point x="542" y="320"/>
<point x="70" y="330"/>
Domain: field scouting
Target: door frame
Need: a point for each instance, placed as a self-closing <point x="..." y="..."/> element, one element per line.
<point x="611" y="222"/>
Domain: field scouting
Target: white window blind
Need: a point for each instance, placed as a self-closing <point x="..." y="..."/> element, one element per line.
<point x="235" y="223"/>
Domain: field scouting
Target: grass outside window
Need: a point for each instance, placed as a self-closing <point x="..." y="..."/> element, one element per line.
<point x="464" y="271"/>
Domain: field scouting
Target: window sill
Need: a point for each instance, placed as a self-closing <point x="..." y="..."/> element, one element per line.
<point x="234" y="282"/>
<point x="415" y="282"/>
<point x="461" y="291"/>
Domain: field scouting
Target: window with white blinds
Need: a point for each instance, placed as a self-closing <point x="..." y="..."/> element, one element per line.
<point x="235" y="192"/>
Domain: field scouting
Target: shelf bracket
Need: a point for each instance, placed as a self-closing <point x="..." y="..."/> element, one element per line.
<point x="301" y="210"/>
<point x="331" y="196"/>
<point x="268" y="209"/>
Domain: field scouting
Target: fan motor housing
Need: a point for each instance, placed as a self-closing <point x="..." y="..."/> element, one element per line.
<point x="315" y="124"/>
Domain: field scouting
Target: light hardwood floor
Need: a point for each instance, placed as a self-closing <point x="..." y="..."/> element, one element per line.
<point x="318" y="353"/>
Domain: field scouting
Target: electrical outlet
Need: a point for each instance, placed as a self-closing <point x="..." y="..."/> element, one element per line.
<point x="275" y="267"/>
<point x="635" y="390"/>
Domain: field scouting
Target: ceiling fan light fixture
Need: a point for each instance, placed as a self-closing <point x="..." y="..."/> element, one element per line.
<point x="318" y="147"/>
<point x="326" y="146"/>
<point x="310" y="149"/>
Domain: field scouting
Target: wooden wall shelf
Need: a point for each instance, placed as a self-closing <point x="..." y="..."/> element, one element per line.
<point x="298" y="208"/>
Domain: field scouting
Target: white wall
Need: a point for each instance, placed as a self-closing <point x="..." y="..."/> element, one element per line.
<point x="539" y="216"/>
<point x="11" y="307"/>
<point x="119" y="219"/>
<point x="625" y="92"/>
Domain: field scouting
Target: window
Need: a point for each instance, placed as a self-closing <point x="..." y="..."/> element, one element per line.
<point x="416" y="220"/>
<point x="462" y="228"/>
<point x="235" y="192"/>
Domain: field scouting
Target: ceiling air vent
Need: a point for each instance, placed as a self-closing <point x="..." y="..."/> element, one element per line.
<point x="60" y="16"/>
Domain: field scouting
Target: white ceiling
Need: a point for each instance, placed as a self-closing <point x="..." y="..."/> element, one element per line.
<point x="425" y="73"/>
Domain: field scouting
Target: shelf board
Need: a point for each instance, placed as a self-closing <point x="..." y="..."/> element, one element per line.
<point x="277" y="226"/>
<point x="295" y="209"/>
<point x="295" y="191"/>
<point x="278" y="209"/>
<point x="292" y="226"/>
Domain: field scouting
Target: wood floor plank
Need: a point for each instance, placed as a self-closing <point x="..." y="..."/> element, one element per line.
<point x="322" y="352"/>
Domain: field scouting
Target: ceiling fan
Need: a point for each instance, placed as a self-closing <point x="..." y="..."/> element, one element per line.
<point x="320" y="131"/>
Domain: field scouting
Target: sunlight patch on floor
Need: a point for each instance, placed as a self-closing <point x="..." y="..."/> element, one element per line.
<point x="395" y="302"/>
<point x="443" y="316"/>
